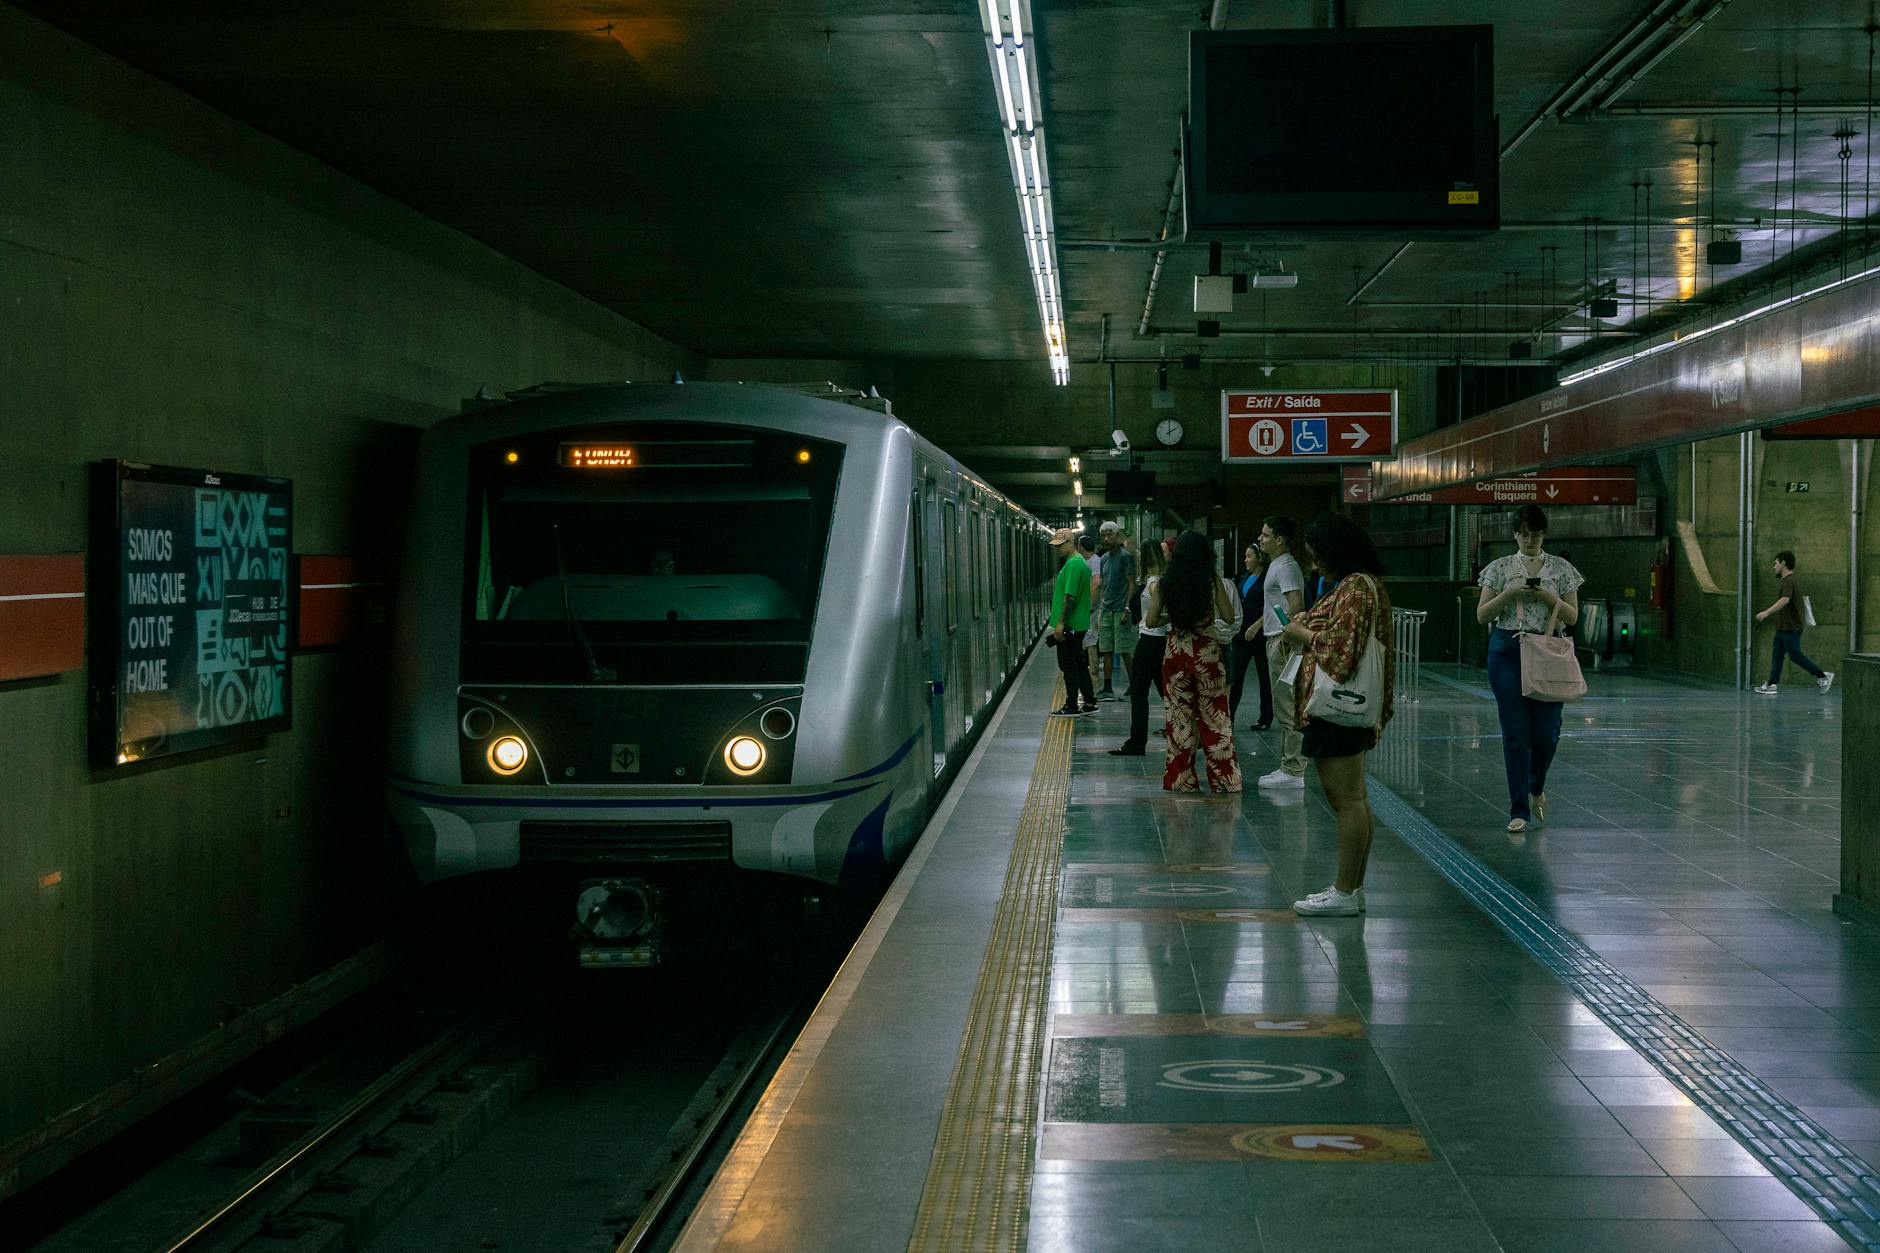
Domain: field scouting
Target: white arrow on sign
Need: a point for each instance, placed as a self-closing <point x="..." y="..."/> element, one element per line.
<point x="1355" y="490"/>
<point x="1345" y="1144"/>
<point x="1552" y="492"/>
<point x="1296" y="1024"/>
<point x="1355" y="436"/>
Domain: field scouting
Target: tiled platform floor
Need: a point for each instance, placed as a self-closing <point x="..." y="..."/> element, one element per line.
<point x="1693" y="844"/>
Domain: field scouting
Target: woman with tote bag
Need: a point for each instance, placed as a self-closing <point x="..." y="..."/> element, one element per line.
<point x="1528" y="593"/>
<point x="1347" y="669"/>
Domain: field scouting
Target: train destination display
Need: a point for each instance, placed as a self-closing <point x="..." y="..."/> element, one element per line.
<point x="191" y="595"/>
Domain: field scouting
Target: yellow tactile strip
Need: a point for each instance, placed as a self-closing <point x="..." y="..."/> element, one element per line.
<point x="979" y="1182"/>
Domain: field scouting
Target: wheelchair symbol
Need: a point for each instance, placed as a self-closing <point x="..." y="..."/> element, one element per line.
<point x="1308" y="435"/>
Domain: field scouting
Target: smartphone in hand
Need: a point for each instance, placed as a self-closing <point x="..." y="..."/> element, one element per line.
<point x="1279" y="611"/>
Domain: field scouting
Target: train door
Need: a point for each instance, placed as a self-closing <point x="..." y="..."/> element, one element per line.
<point x="930" y="550"/>
<point x="953" y="663"/>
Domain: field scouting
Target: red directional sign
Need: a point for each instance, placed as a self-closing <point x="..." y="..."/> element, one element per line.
<point x="1357" y="484"/>
<point x="1336" y="424"/>
<point x="1563" y="485"/>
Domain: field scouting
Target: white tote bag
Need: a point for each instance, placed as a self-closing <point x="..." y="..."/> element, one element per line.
<point x="1222" y="630"/>
<point x="1357" y="701"/>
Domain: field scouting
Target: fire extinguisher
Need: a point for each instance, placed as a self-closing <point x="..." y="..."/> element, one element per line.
<point x="1661" y="586"/>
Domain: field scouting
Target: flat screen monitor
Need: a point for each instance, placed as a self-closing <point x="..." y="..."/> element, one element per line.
<point x="191" y="609"/>
<point x="1129" y="487"/>
<point x="1386" y="130"/>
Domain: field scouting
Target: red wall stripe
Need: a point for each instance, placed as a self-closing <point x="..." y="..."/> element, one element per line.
<point x="42" y="614"/>
<point x="340" y="600"/>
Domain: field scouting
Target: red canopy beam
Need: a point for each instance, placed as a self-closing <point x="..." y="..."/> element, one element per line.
<point x="1805" y="357"/>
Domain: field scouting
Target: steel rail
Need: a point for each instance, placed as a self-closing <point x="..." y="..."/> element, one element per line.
<point x="659" y="1205"/>
<point x="392" y="1083"/>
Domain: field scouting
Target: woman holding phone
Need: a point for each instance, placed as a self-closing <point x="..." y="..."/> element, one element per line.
<point x="1521" y="593"/>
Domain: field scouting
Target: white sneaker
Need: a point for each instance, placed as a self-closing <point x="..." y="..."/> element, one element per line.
<point x="1279" y="778"/>
<point x="1826" y="681"/>
<point x="1769" y="689"/>
<point x="1332" y="903"/>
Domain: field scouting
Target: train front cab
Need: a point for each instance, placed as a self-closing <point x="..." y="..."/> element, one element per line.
<point x="637" y="607"/>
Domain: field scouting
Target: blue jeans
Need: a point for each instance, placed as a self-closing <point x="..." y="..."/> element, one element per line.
<point x="1789" y="643"/>
<point x="1530" y="729"/>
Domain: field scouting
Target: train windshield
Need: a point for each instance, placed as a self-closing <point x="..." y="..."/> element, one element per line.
<point x="672" y="555"/>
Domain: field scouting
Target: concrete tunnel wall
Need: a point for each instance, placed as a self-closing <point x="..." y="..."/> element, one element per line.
<point x="177" y="288"/>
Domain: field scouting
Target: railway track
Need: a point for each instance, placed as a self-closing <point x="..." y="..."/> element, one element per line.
<point x="261" y="1207"/>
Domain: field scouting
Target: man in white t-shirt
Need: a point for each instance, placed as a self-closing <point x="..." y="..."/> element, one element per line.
<point x="1093" y="557"/>
<point x="1285" y="589"/>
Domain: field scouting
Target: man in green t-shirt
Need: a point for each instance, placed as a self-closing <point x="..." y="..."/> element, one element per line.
<point x="1070" y="618"/>
<point x="1789" y="624"/>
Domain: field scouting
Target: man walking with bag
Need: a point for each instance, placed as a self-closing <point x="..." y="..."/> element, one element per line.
<point x="1792" y="614"/>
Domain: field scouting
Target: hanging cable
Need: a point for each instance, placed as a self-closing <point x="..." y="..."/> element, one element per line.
<point x="1650" y="290"/>
<point x="1714" y="180"/>
<point x="1795" y="157"/>
<point x="1775" y="206"/>
<point x="1632" y="295"/>
<point x="1845" y="133"/>
<point x="1866" y="184"/>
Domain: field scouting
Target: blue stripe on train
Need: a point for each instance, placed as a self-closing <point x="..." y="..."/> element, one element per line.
<point x="865" y="866"/>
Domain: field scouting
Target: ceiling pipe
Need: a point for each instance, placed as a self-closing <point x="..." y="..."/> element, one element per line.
<point x="1377" y="274"/>
<point x="1217" y="20"/>
<point x="1344" y="332"/>
<point x="1626" y="112"/>
<point x="1159" y="244"/>
<point x="1805" y="217"/>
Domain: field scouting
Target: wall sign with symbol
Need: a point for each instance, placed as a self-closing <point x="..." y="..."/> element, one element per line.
<point x="1333" y="424"/>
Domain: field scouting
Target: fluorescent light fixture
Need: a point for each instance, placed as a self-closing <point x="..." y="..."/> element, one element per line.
<point x="1077" y="464"/>
<point x="1005" y="94"/>
<point x="1024" y="87"/>
<point x="1077" y="487"/>
<point x="1021" y="114"/>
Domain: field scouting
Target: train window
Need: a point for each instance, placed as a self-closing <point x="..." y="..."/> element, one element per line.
<point x="704" y="567"/>
<point x="950" y="560"/>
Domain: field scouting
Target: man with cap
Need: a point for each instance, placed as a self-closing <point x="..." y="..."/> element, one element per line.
<point x="1116" y="634"/>
<point x="1070" y="618"/>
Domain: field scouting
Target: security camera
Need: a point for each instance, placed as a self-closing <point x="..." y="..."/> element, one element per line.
<point x="1120" y="440"/>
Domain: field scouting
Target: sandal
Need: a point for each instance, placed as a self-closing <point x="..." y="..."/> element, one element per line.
<point x="1516" y="825"/>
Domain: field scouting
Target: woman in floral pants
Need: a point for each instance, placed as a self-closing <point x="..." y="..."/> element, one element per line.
<point x="1190" y="597"/>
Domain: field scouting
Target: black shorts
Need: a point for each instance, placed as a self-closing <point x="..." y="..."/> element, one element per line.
<point x="1333" y="739"/>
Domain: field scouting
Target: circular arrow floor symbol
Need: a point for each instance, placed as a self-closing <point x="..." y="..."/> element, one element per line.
<point x="1240" y="1075"/>
<point x="1185" y="889"/>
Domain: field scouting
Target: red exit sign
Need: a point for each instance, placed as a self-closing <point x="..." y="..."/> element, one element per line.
<point x="1335" y="424"/>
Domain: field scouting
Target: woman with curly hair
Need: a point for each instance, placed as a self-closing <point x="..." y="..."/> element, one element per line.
<point x="1334" y="635"/>
<point x="1190" y="597"/>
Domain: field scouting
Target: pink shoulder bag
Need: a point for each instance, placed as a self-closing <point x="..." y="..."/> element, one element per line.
<point x="1549" y="670"/>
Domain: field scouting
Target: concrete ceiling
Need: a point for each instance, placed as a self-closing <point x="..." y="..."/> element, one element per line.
<point x="825" y="178"/>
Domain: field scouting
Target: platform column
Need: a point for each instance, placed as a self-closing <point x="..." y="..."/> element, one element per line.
<point x="1859" y="897"/>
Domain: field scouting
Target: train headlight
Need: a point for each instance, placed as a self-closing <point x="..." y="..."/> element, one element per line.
<point x="744" y="755"/>
<point x="508" y="755"/>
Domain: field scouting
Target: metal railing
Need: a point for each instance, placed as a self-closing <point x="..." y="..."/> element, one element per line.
<point x="1408" y="627"/>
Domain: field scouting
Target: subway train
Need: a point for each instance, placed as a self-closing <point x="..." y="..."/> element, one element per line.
<point x="657" y="643"/>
